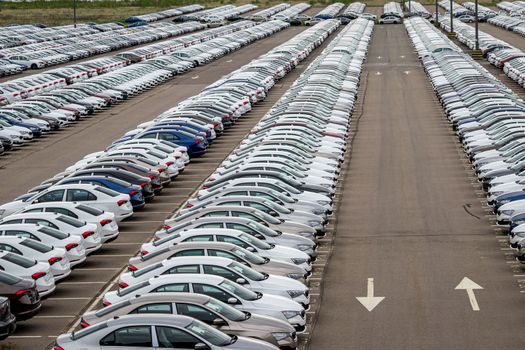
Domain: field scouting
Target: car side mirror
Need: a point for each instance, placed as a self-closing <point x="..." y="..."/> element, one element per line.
<point x="201" y="346"/>
<point x="233" y="301"/>
<point x="240" y="280"/>
<point x="219" y="322"/>
<point x="250" y="249"/>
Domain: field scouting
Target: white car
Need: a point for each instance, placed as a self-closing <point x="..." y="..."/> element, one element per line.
<point x="31" y="249"/>
<point x="102" y="198"/>
<point x="224" y="267"/>
<point x="222" y="289"/>
<point x="390" y="20"/>
<point x="274" y="252"/>
<point x="63" y="223"/>
<point x="29" y="268"/>
<point x="107" y="225"/>
<point x="74" y="246"/>
<point x="253" y="228"/>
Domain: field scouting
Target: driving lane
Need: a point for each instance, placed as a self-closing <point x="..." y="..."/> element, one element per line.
<point x="411" y="220"/>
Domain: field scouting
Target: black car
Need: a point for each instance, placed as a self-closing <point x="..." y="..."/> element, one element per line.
<point x="7" y="319"/>
<point x="22" y="294"/>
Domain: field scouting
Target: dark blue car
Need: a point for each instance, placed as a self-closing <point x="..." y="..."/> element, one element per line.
<point x="508" y="197"/>
<point x="196" y="145"/>
<point x="134" y="191"/>
<point x="37" y="132"/>
<point x="190" y="127"/>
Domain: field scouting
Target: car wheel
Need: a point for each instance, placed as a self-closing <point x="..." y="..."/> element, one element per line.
<point x="34" y="66"/>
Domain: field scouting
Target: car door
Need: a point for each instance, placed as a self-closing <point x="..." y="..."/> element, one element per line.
<point x="182" y="269"/>
<point x="51" y="196"/>
<point x="175" y="338"/>
<point x="128" y="338"/>
<point x="154" y="308"/>
<point x="173" y="288"/>
<point x="197" y="312"/>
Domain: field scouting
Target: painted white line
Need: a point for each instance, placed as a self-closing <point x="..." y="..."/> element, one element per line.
<point x="156" y="212"/>
<point x="92" y="282"/>
<point x="123" y="243"/>
<point x="230" y="60"/>
<point x="111" y="255"/>
<point x="25" y="336"/>
<point x="195" y="77"/>
<point x="55" y="316"/>
<point x="98" y="269"/>
<point x="144" y="221"/>
<point x="77" y="298"/>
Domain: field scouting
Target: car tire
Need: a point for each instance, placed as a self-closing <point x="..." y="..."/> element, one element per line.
<point x="34" y="66"/>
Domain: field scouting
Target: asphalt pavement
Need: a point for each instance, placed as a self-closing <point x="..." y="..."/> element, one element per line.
<point x="412" y="226"/>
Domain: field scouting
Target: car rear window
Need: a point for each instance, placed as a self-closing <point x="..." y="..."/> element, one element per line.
<point x="40" y="247"/>
<point x="89" y="210"/>
<point x="109" y="309"/>
<point x="19" y="260"/>
<point x="86" y="331"/>
<point x="70" y="221"/>
<point x="146" y="269"/>
<point x="131" y="289"/>
<point x="53" y="233"/>
<point x="8" y="278"/>
<point x="107" y="191"/>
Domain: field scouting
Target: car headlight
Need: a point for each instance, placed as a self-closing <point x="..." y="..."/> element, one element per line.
<point x="314" y="223"/>
<point x="305" y="234"/>
<point x="295" y="293"/>
<point x="299" y="261"/>
<point x="326" y="185"/>
<point x="295" y="275"/>
<point x="291" y="314"/>
<point x="497" y="193"/>
<point x="318" y="211"/>
<point x="507" y="212"/>
<point x="278" y="336"/>
<point x="303" y="247"/>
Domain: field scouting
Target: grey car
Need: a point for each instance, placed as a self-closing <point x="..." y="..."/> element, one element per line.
<point x="154" y="331"/>
<point x="203" y="308"/>
<point x="222" y="249"/>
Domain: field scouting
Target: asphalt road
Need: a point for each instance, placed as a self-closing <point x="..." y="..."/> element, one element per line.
<point x="412" y="219"/>
<point x="26" y="168"/>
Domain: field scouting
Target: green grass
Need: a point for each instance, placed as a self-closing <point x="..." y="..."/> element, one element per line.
<point x="60" y="12"/>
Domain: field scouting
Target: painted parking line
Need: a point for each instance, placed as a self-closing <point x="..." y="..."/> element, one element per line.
<point x="55" y="316"/>
<point x="98" y="269"/>
<point x="86" y="282"/>
<point x="73" y="298"/>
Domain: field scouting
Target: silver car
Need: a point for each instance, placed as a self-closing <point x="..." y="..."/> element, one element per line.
<point x="223" y="249"/>
<point x="156" y="331"/>
<point x="203" y="308"/>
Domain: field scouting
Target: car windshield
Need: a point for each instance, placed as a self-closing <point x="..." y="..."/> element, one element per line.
<point x="265" y="217"/>
<point x="238" y="290"/>
<point x="254" y="241"/>
<point x="225" y="310"/>
<point x="261" y="228"/>
<point x="89" y="210"/>
<point x="211" y="334"/>
<point x="247" y="272"/>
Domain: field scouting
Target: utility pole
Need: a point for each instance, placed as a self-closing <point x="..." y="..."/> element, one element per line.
<point x="75" y="13"/>
<point x="476" y="26"/>
<point x="437" y="14"/>
<point x="451" y="18"/>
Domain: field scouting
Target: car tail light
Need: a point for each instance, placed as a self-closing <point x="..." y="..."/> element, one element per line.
<point x="144" y="252"/>
<point x="167" y="227"/>
<point x="123" y="285"/>
<point x="182" y="151"/>
<point x="22" y="292"/>
<point x="106" y="303"/>
<point x="169" y="163"/>
<point x="205" y="187"/>
<point x="87" y="234"/>
<point x="121" y="202"/>
<point x="155" y="239"/>
<point x="38" y="275"/>
<point x="189" y="205"/>
<point x="84" y="324"/>
<point x="71" y="246"/>
<point x="197" y="141"/>
<point x="54" y="260"/>
<point x="132" y="268"/>
<point x="161" y="170"/>
<point x="152" y="177"/>
<point x="105" y="222"/>
<point x="57" y="347"/>
<point x="144" y="184"/>
<point x="132" y="193"/>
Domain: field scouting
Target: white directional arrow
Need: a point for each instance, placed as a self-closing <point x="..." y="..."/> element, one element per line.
<point x="370" y="301"/>
<point x="469" y="285"/>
